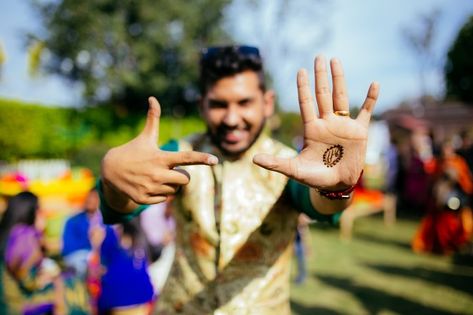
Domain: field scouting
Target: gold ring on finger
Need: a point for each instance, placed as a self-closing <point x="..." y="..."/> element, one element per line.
<point x="344" y="113"/>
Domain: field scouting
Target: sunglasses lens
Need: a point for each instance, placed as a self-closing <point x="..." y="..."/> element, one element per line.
<point x="213" y="52"/>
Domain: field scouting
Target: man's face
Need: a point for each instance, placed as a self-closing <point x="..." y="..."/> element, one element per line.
<point x="92" y="202"/>
<point x="235" y="110"/>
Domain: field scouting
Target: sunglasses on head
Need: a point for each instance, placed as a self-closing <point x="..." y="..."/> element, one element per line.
<point x="213" y="52"/>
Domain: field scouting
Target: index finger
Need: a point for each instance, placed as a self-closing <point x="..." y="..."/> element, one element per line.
<point x="190" y="158"/>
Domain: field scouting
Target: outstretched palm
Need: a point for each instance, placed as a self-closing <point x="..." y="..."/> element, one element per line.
<point x="334" y="144"/>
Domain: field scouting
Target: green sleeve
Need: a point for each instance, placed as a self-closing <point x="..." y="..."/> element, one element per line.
<point x="300" y="197"/>
<point x="109" y="215"/>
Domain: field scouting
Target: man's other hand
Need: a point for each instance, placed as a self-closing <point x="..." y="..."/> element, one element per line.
<point x="140" y="172"/>
<point x="333" y="154"/>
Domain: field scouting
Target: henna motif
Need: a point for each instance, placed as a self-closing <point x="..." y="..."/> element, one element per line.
<point x="333" y="155"/>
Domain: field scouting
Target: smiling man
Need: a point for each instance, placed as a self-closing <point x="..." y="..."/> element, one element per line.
<point x="238" y="191"/>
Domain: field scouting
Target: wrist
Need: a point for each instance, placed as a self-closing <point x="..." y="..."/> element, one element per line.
<point x="339" y="194"/>
<point x="114" y="199"/>
<point x="336" y="194"/>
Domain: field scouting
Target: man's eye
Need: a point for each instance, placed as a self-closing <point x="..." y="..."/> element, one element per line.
<point x="217" y="104"/>
<point x="245" y="102"/>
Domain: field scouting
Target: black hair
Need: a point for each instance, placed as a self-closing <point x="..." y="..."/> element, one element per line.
<point x="220" y="62"/>
<point x="21" y="209"/>
<point x="139" y="243"/>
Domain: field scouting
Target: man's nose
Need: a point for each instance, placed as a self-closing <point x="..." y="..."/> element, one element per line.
<point x="232" y="116"/>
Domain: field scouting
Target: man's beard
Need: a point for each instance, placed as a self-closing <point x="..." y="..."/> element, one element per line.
<point x="216" y="140"/>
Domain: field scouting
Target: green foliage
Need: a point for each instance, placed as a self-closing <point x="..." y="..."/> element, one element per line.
<point x="287" y="127"/>
<point x="90" y="156"/>
<point x="31" y="130"/>
<point x="459" y="67"/>
<point x="83" y="136"/>
<point x="124" y="51"/>
<point x="176" y="128"/>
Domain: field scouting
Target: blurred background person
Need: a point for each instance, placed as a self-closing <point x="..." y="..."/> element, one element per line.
<point x="447" y="225"/>
<point x="302" y="245"/>
<point x="414" y="180"/>
<point x="30" y="282"/>
<point x="76" y="245"/>
<point x="466" y="149"/>
<point x="159" y="226"/>
<point x="393" y="182"/>
<point x="118" y="270"/>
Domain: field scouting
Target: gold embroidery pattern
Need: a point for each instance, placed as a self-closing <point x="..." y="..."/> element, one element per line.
<point x="233" y="255"/>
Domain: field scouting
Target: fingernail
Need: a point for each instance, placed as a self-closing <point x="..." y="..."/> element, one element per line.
<point x="212" y="160"/>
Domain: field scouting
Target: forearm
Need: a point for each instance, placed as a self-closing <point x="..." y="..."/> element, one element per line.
<point x="328" y="206"/>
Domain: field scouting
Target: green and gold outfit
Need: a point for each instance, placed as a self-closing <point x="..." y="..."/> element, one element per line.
<point x="235" y="226"/>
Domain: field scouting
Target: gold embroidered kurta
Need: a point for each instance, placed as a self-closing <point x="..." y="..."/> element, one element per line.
<point x="235" y="229"/>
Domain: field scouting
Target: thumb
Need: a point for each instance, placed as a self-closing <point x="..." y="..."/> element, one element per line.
<point x="273" y="163"/>
<point x="151" y="128"/>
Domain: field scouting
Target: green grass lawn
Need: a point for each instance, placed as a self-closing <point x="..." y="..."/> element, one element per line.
<point x="377" y="273"/>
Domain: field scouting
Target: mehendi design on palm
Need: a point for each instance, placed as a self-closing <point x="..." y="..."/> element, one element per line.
<point x="333" y="155"/>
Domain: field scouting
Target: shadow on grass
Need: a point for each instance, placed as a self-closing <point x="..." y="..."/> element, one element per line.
<point x="460" y="259"/>
<point x="465" y="256"/>
<point x="376" y="301"/>
<point x="301" y="309"/>
<point x="382" y="241"/>
<point x="460" y="282"/>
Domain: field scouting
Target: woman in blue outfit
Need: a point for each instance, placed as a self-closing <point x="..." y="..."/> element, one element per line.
<point x="122" y="264"/>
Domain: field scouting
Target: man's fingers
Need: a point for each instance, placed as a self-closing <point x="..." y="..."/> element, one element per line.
<point x="322" y="87"/>
<point x="168" y="189"/>
<point x="190" y="158"/>
<point x="306" y="103"/>
<point x="273" y="163"/>
<point x="180" y="176"/>
<point x="176" y="176"/>
<point x="339" y="95"/>
<point x="163" y="184"/>
<point x="151" y="128"/>
<point x="368" y="106"/>
<point x="152" y="199"/>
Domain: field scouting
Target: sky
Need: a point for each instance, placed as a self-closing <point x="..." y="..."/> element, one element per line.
<point x="365" y="35"/>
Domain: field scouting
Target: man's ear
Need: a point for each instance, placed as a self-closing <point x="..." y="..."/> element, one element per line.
<point x="269" y="99"/>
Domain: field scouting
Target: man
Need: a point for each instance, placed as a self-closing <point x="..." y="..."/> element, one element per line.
<point x="76" y="245"/>
<point x="237" y="190"/>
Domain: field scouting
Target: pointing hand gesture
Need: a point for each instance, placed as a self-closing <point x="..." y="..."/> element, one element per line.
<point x="138" y="172"/>
<point x="334" y="148"/>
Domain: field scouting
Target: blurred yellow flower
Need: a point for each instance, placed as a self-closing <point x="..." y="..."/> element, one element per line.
<point x="3" y="55"/>
<point x="34" y="57"/>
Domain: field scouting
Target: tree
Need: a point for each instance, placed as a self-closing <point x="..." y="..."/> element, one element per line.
<point x="124" y="51"/>
<point x="459" y="66"/>
<point x="421" y="41"/>
<point x="285" y="30"/>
